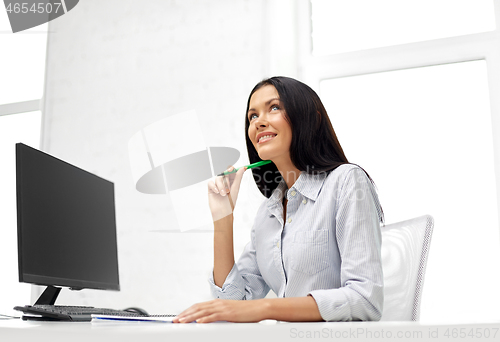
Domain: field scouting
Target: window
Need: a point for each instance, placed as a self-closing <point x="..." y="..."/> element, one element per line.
<point x="343" y="26"/>
<point x="22" y="62"/>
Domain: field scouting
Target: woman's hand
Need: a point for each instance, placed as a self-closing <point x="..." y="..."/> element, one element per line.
<point x="223" y="192"/>
<point x="292" y="309"/>
<point x="224" y="310"/>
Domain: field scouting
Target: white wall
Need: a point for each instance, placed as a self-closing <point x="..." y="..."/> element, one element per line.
<point x="116" y="66"/>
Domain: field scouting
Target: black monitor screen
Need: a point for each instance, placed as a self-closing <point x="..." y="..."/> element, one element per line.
<point x="66" y="224"/>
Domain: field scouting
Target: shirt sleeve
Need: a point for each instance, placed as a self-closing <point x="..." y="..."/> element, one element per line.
<point x="244" y="281"/>
<point x="361" y="295"/>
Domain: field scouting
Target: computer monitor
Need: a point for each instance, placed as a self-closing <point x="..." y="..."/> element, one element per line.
<point x="66" y="225"/>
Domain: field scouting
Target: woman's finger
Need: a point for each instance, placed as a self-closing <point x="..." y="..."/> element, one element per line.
<point x="184" y="313"/>
<point x="237" y="178"/>
<point x="212" y="187"/>
<point x="193" y="317"/>
<point x="228" y="179"/>
<point x="184" y="317"/>
<point x="223" y="183"/>
<point x="214" y="317"/>
<point x="219" y="183"/>
<point x="195" y="312"/>
<point x="235" y="185"/>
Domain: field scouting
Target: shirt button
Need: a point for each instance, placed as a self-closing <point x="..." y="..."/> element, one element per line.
<point x="289" y="220"/>
<point x="294" y="193"/>
<point x="278" y="245"/>
<point x="304" y="201"/>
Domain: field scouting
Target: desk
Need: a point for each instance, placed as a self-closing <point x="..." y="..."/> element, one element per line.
<point x="21" y="331"/>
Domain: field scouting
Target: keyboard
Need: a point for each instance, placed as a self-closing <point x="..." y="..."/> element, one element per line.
<point x="73" y="313"/>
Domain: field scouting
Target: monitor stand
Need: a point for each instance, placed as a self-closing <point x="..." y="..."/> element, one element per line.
<point x="49" y="296"/>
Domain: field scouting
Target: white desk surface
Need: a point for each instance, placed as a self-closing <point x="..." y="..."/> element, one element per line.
<point x="20" y="331"/>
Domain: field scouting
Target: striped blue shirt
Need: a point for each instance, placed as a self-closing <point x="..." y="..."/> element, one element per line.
<point x="328" y="246"/>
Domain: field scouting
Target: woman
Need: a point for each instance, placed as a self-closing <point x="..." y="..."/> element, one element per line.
<point x="315" y="240"/>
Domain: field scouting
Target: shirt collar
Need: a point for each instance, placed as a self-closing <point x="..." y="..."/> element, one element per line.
<point x="310" y="185"/>
<point x="307" y="185"/>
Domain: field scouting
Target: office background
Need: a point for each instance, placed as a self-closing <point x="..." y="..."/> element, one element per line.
<point x="414" y="104"/>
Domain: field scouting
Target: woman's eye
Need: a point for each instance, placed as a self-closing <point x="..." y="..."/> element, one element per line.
<point x="252" y="116"/>
<point x="275" y="107"/>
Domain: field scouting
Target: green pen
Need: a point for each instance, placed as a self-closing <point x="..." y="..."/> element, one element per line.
<point x="251" y="166"/>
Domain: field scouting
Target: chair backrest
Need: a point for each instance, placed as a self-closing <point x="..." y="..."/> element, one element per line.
<point x="405" y="246"/>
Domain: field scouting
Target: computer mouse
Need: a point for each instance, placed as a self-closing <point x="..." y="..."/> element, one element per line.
<point x="136" y="310"/>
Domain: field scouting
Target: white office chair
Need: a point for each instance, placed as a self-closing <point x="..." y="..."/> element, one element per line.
<point x="405" y="246"/>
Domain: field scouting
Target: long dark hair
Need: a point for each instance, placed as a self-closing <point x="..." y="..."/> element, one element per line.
<point x="314" y="147"/>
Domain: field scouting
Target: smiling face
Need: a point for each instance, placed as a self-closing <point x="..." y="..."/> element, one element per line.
<point x="269" y="131"/>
